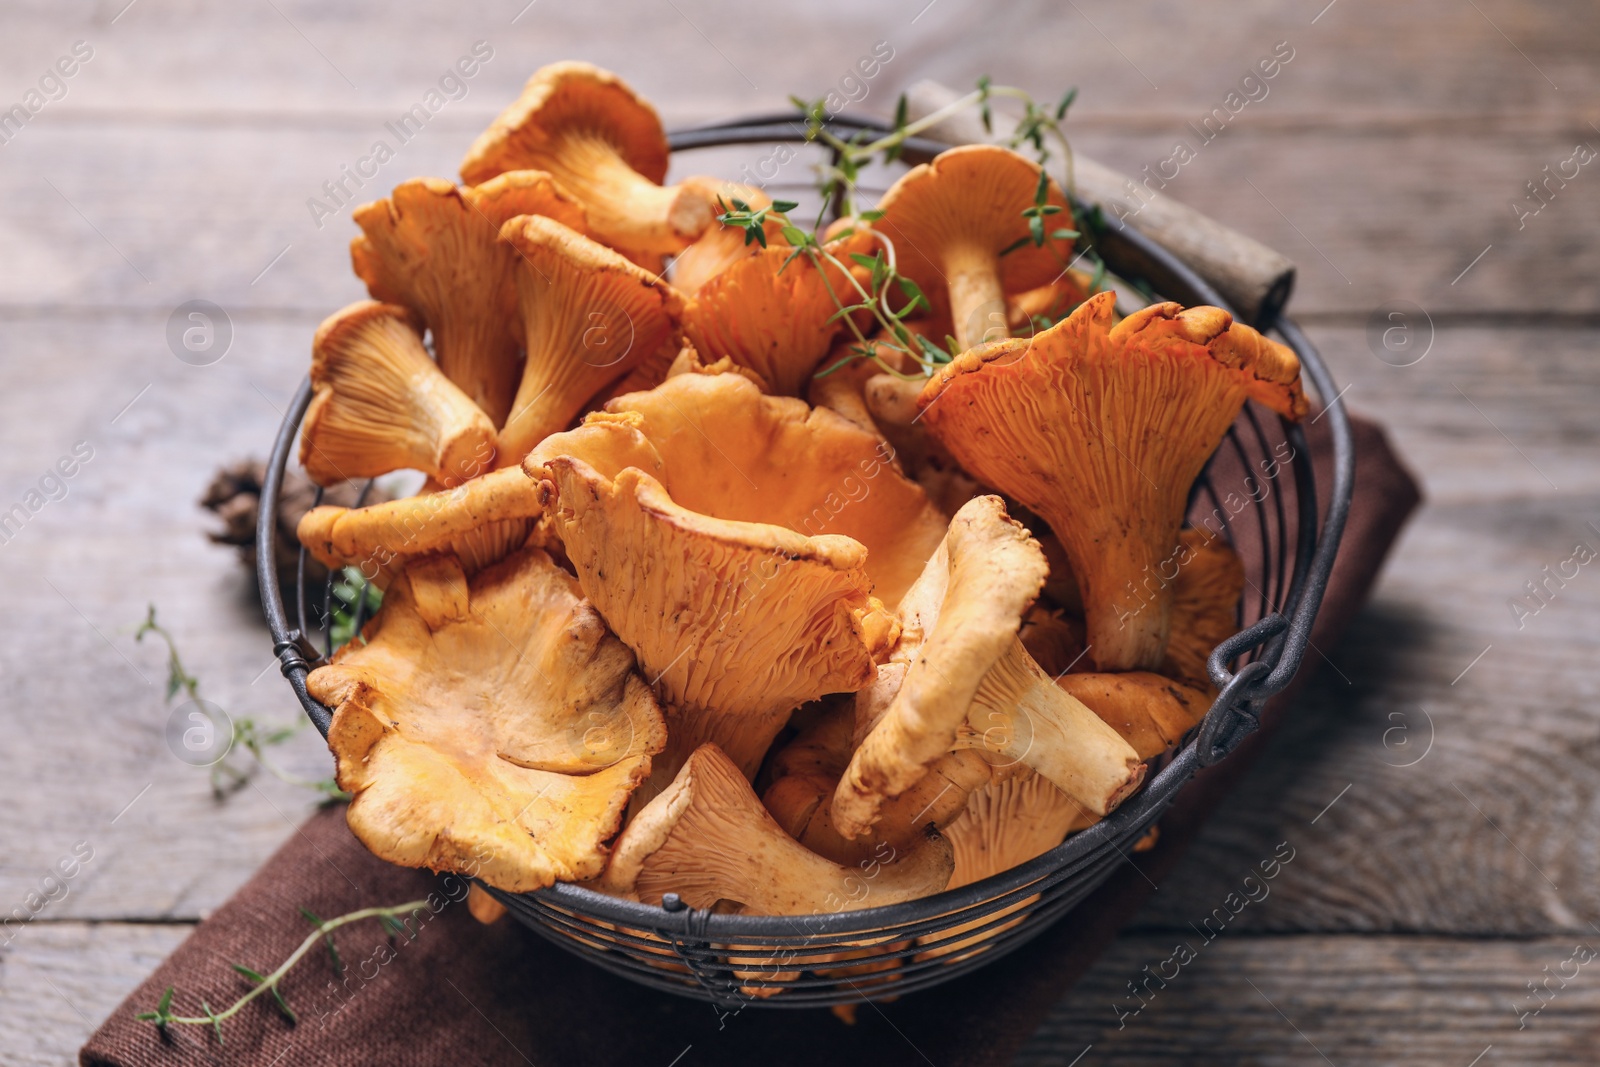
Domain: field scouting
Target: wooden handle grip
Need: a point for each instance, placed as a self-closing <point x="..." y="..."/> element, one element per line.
<point x="1255" y="279"/>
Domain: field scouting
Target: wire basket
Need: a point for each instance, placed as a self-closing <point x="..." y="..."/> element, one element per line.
<point x="1258" y="492"/>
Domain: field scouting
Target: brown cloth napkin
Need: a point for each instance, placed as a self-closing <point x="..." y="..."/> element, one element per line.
<point x="502" y="995"/>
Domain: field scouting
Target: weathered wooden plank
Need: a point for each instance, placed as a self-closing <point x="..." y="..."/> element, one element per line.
<point x="1451" y="742"/>
<point x="85" y="708"/>
<point x="60" y="979"/>
<point x="200" y="190"/>
<point x="103" y="214"/>
<point x="1315" y="1000"/>
<point x="1129" y="58"/>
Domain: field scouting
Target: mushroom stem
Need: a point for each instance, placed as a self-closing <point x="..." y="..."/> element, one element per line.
<point x="977" y="302"/>
<point x="1022" y="716"/>
<point x="707" y="838"/>
<point x="627" y="210"/>
<point x="589" y="316"/>
<point x="381" y="405"/>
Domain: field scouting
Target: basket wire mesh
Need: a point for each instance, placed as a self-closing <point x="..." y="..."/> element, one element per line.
<point x="733" y="960"/>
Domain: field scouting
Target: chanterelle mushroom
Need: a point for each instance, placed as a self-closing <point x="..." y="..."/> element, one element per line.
<point x="589" y="130"/>
<point x="721" y="246"/>
<point x="1101" y="429"/>
<point x="774" y="312"/>
<point x="1016" y="817"/>
<point x="1152" y="713"/>
<point x="494" y="718"/>
<point x="950" y="221"/>
<point x="588" y="316"/>
<point x="805" y="772"/>
<point x="436" y="249"/>
<point x="707" y="838"/>
<point x="481" y="521"/>
<point x="970" y="675"/>
<point x="1205" y="602"/>
<point x="731" y="453"/>
<point x="735" y="622"/>
<point x="379" y="404"/>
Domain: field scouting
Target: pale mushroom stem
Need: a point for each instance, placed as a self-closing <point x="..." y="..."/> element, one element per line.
<point x="627" y="210"/>
<point x="977" y="303"/>
<point x="1021" y="715"/>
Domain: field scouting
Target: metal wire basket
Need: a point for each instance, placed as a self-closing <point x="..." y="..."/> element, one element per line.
<point x="1258" y="491"/>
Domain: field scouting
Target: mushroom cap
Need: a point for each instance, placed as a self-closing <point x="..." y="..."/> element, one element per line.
<point x="1205" y="603"/>
<point x="379" y="404"/>
<point x="731" y="453"/>
<point x="722" y="245"/>
<point x="589" y="316"/>
<point x="737" y="623"/>
<point x="970" y="200"/>
<point x="1101" y="428"/>
<point x="985" y="575"/>
<point x="707" y="838"/>
<point x="494" y="726"/>
<point x="482" y="520"/>
<point x="606" y="147"/>
<point x="1151" y="712"/>
<point x="435" y="248"/>
<point x="560" y="99"/>
<point x="774" y="312"/>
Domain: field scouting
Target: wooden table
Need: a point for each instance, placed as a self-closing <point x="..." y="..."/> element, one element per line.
<point x="1439" y="782"/>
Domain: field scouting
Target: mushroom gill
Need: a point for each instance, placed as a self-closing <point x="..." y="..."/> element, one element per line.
<point x="1101" y="428"/>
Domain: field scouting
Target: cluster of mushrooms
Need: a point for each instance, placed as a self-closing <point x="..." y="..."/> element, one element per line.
<point x="673" y="613"/>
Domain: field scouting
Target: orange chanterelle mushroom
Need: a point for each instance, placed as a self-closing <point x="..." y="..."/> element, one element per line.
<point x="492" y="725"/>
<point x="959" y="232"/>
<point x="436" y="249"/>
<point x="604" y="145"/>
<point x="1101" y="427"/>
<point x="379" y="404"/>
<point x="707" y="838"/>
<point x="589" y="316"/>
<point x="735" y="542"/>
<point x="968" y="678"/>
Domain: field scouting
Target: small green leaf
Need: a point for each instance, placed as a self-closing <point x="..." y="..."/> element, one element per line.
<point x="254" y="976"/>
<point x="870" y="216"/>
<point x="783" y="207"/>
<point x="283" y="1006"/>
<point x="1065" y="235"/>
<point x="794" y="235"/>
<point x="216" y="1023"/>
<point x="1066" y="102"/>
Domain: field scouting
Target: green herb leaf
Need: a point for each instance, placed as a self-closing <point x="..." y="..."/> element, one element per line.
<point x="254" y="976"/>
<point x="216" y="1023"/>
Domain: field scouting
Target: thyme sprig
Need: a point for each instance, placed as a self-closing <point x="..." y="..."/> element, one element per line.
<point x="875" y="289"/>
<point x="876" y="296"/>
<point x="255" y="738"/>
<point x="1039" y="127"/>
<point x="163" y="1016"/>
<point x="350" y="589"/>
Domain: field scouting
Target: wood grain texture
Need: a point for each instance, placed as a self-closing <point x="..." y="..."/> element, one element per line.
<point x="1270" y="1001"/>
<point x="58" y="980"/>
<point x="1385" y="158"/>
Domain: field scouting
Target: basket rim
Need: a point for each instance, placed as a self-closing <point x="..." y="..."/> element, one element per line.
<point x="1284" y="632"/>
